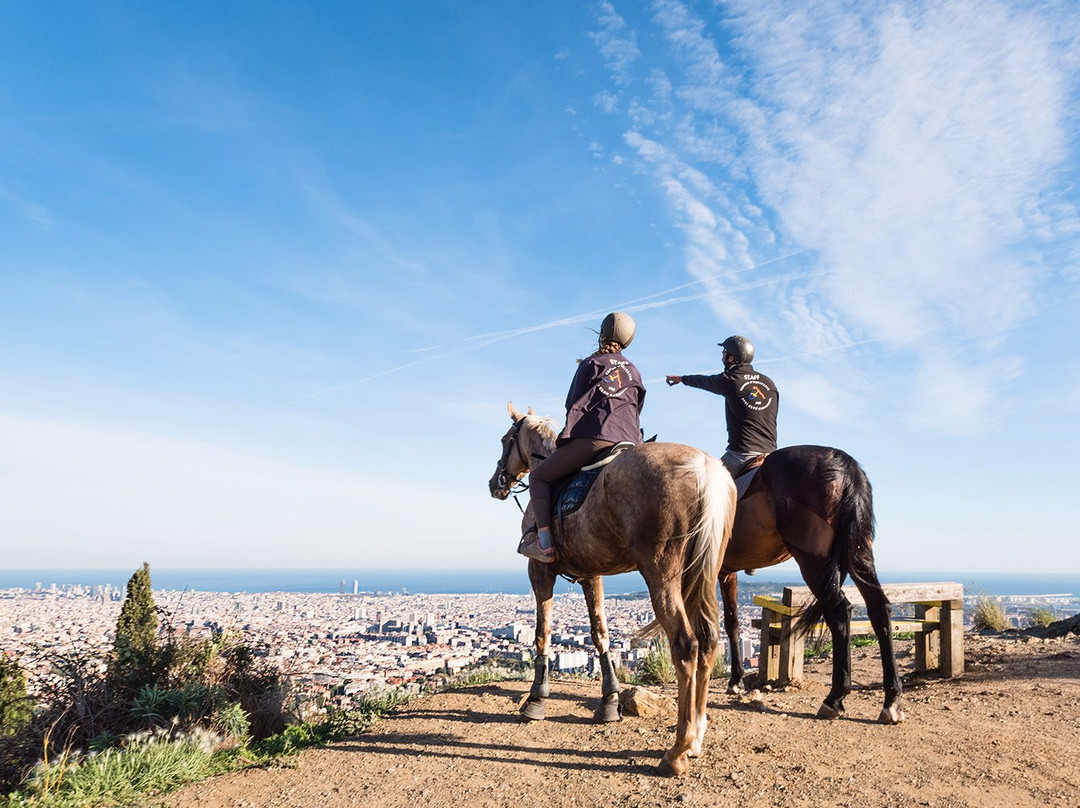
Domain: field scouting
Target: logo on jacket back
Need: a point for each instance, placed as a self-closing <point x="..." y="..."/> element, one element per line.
<point x="615" y="378"/>
<point x="755" y="393"/>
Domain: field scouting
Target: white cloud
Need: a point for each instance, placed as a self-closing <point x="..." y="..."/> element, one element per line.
<point x="607" y="102"/>
<point x="820" y="397"/>
<point x="905" y="150"/>
<point x="914" y="149"/>
<point x="616" y="44"/>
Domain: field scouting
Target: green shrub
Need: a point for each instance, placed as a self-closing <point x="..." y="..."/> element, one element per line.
<point x="120" y="776"/>
<point x="164" y="685"/>
<point x="16" y="707"/>
<point x="989" y="615"/>
<point x="657" y="667"/>
<point x="486" y="672"/>
<point x="1041" y="616"/>
<point x="720" y="668"/>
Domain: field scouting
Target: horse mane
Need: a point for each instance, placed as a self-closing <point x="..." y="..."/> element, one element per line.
<point x="545" y="428"/>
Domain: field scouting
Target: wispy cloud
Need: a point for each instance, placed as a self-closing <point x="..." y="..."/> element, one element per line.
<point x="912" y="148"/>
<point x="656" y="300"/>
<point x="39" y="214"/>
<point x="616" y="43"/>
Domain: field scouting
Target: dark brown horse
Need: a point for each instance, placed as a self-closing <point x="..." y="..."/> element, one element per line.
<point x="663" y="509"/>
<point x="815" y="504"/>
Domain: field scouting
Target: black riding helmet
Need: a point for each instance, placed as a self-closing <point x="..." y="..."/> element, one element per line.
<point x="740" y="348"/>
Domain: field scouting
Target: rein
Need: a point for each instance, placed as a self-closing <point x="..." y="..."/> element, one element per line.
<point x="520" y="487"/>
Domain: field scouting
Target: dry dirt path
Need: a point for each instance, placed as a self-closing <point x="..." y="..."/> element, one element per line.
<point x="1006" y="734"/>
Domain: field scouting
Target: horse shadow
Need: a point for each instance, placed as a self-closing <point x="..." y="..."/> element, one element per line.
<point x="456" y="745"/>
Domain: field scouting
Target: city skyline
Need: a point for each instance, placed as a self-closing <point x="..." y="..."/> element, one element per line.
<point x="269" y="279"/>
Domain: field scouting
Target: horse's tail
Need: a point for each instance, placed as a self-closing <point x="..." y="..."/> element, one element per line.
<point x="706" y="543"/>
<point x="852" y="551"/>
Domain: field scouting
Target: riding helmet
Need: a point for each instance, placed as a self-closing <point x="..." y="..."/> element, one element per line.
<point x="618" y="327"/>
<point x="740" y="348"/>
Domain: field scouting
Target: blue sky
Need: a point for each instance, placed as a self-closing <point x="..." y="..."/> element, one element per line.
<point x="270" y="272"/>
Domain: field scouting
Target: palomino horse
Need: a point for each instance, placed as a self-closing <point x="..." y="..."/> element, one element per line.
<point x="814" y="503"/>
<point x="663" y="509"/>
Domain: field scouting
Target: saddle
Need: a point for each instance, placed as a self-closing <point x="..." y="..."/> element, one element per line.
<point x="745" y="475"/>
<point x="569" y="493"/>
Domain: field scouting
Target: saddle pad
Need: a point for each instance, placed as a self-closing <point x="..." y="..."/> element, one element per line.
<point x="572" y="496"/>
<point x="743" y="482"/>
<point x="570" y="492"/>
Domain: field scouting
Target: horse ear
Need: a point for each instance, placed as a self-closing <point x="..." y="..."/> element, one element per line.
<point x="530" y="412"/>
<point x="515" y="416"/>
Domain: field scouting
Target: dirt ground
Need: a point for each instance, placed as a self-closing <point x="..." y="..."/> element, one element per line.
<point x="1005" y="734"/>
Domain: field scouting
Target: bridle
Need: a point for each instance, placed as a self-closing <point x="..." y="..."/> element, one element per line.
<point x="504" y="477"/>
<point x="520" y="486"/>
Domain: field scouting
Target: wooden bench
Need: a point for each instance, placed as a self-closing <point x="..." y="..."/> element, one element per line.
<point x="938" y="627"/>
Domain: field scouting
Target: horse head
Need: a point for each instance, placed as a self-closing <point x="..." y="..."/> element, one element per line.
<point x="527" y="436"/>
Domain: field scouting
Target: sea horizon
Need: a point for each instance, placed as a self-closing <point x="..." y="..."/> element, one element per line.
<point x="329" y="580"/>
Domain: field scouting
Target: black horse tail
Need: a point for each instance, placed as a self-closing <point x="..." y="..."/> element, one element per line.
<point x="852" y="551"/>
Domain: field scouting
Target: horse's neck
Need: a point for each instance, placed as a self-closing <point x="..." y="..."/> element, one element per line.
<point x="541" y="442"/>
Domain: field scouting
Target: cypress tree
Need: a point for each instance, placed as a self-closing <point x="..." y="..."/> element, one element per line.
<point x="134" y="659"/>
<point x="16" y="708"/>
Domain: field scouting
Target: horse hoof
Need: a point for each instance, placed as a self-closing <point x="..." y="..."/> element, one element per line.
<point x="891" y="715"/>
<point x="735" y="689"/>
<point x="668" y="769"/>
<point x="829" y="713"/>
<point x="533" y="709"/>
<point x="608" y="711"/>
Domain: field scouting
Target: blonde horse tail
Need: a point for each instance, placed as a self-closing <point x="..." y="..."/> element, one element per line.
<point x="707" y="542"/>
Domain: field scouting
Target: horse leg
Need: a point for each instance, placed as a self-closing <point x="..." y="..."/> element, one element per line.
<point x="729" y="593"/>
<point x="879" y="610"/>
<point x="671" y="614"/>
<point x="708" y="648"/>
<point x="543" y="584"/>
<point x="608" y="709"/>
<point x="838" y="619"/>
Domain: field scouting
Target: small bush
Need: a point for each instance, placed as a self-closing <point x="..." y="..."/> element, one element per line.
<point x="1041" y="616"/>
<point x="657" y="667"/>
<point x="155" y="683"/>
<point x="719" y="668"/>
<point x="484" y="673"/>
<point x="144" y="766"/>
<point x="989" y="615"/>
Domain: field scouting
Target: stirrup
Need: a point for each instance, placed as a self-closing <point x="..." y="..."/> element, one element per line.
<point x="529" y="546"/>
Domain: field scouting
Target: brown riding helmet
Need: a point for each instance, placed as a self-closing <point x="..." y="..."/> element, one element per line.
<point x="618" y="327"/>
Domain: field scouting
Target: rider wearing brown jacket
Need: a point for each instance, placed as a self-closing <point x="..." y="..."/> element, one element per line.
<point x="603" y="407"/>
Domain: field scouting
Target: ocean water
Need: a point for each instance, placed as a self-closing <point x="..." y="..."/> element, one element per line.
<point x="507" y="581"/>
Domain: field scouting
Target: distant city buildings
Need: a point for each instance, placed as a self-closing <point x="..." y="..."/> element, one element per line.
<point x="333" y="651"/>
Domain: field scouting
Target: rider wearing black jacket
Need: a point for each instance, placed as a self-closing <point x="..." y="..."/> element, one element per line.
<point x="751" y="401"/>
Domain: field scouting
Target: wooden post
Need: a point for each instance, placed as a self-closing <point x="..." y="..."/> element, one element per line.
<point x="769" y="656"/>
<point x="927" y="642"/>
<point x="792" y="645"/>
<point x="952" y="638"/>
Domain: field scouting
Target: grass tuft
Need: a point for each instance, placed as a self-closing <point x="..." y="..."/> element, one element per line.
<point x="989" y="615"/>
<point x="1041" y="616"/>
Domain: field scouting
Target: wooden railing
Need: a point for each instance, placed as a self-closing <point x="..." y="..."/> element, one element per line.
<point x="938" y="626"/>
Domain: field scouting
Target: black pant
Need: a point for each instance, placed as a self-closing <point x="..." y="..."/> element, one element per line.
<point x="565" y="460"/>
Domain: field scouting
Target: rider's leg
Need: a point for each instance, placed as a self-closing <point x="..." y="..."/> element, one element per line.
<point x="565" y="460"/>
<point x="734" y="461"/>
